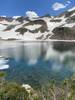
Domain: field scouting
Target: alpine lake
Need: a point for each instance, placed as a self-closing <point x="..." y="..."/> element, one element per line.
<point x="37" y="63"/>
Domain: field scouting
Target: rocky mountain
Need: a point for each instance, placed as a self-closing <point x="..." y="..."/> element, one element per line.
<point x="47" y="27"/>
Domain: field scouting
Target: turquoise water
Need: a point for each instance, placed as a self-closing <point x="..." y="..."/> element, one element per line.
<point x="37" y="63"/>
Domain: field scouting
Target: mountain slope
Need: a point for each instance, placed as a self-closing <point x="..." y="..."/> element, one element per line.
<point x="60" y="27"/>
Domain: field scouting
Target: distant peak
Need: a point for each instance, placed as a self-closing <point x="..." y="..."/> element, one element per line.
<point x="3" y="16"/>
<point x="15" y="17"/>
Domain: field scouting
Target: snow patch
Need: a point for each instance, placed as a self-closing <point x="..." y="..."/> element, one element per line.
<point x="3" y="64"/>
<point x="33" y="27"/>
<point x="72" y="9"/>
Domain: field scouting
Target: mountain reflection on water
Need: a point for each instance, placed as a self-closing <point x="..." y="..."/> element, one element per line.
<point x="36" y="63"/>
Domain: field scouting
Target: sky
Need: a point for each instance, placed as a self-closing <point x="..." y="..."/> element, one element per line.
<point x="35" y="7"/>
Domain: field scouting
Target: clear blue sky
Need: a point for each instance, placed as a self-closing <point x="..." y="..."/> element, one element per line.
<point x="41" y="7"/>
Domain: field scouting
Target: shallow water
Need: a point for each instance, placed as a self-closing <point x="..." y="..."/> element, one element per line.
<point x="37" y="63"/>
